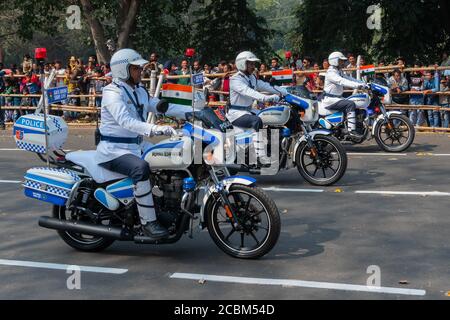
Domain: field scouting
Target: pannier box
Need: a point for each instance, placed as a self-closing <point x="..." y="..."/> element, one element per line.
<point x="29" y="133"/>
<point x="50" y="184"/>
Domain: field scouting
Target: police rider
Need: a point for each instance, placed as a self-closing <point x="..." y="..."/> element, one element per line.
<point x="125" y="106"/>
<point x="245" y="88"/>
<point x="335" y="81"/>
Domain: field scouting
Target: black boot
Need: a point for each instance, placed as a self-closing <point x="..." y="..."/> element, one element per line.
<point x="155" y="230"/>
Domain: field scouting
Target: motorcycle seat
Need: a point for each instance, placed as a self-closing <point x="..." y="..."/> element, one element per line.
<point x="86" y="159"/>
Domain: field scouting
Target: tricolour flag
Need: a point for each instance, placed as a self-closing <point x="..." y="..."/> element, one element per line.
<point x="370" y="69"/>
<point x="283" y="76"/>
<point x="178" y="94"/>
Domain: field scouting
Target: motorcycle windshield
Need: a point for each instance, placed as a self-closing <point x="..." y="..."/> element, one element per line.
<point x="302" y="92"/>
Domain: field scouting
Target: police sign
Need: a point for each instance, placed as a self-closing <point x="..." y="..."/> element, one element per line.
<point x="57" y="94"/>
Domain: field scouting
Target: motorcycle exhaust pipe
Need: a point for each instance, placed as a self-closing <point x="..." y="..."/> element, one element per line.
<point x="84" y="228"/>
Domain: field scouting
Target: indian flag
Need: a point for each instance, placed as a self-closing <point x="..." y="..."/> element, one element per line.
<point x="283" y="76"/>
<point x="365" y="70"/>
<point x="178" y="94"/>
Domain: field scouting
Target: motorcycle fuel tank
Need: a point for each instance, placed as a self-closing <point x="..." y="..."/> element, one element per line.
<point x="275" y="116"/>
<point x="362" y="100"/>
<point x="170" y="154"/>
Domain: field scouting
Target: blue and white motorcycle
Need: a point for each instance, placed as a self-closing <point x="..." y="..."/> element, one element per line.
<point x="392" y="131"/>
<point x="318" y="156"/>
<point x="93" y="207"/>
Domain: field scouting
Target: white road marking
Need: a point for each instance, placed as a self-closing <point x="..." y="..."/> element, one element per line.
<point x="57" y="266"/>
<point x="293" y="190"/>
<point x="441" y="155"/>
<point x="297" y="283"/>
<point x="377" y="154"/>
<point x="10" y="181"/>
<point x="407" y="193"/>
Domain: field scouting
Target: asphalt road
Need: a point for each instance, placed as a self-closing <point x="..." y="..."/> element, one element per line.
<point x="330" y="237"/>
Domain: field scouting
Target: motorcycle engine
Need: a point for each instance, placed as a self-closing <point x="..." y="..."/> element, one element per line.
<point x="167" y="194"/>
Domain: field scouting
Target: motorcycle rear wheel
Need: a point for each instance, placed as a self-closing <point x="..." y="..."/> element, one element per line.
<point x="78" y="241"/>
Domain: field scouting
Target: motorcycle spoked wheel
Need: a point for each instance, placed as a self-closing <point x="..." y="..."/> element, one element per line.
<point x="79" y="241"/>
<point x="259" y="218"/>
<point x="327" y="167"/>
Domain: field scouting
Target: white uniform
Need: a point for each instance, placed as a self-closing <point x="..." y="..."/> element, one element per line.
<point x="121" y="119"/>
<point x="335" y="81"/>
<point x="244" y="91"/>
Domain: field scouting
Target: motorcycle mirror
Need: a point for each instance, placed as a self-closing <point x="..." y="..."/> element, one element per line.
<point x="162" y="106"/>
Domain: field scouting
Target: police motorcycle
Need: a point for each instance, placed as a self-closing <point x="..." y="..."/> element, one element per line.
<point x="392" y="131"/>
<point x="94" y="207"/>
<point x="318" y="156"/>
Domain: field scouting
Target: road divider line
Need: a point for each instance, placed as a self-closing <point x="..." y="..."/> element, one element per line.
<point x="11" y="181"/>
<point x="407" y="193"/>
<point x="57" y="266"/>
<point x="377" y="154"/>
<point x="274" y="189"/>
<point x="297" y="283"/>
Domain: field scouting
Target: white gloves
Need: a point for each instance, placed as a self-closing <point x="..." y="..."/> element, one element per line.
<point x="163" y="131"/>
<point x="272" y="98"/>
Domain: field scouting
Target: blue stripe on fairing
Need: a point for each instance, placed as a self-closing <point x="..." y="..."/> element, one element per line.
<point x="121" y="184"/>
<point x="271" y="109"/>
<point x="252" y="180"/>
<point x="172" y="145"/>
<point x="47" y="181"/>
<point x="122" y="194"/>
<point x="297" y="101"/>
<point x="194" y="133"/>
<point x="357" y="96"/>
<point x="101" y="197"/>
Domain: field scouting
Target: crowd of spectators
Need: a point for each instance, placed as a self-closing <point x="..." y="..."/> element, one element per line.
<point x="90" y="78"/>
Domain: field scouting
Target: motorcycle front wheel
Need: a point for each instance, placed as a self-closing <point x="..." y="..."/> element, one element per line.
<point x="395" y="135"/>
<point x="324" y="164"/>
<point x="259" y="226"/>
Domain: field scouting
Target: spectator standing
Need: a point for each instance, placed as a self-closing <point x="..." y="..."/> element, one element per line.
<point x="170" y="69"/>
<point x="263" y="69"/>
<point x="27" y="64"/>
<point x="60" y="71"/>
<point x="432" y="85"/>
<point x="352" y="64"/>
<point x="184" y="71"/>
<point x="2" y="99"/>
<point x="99" y="84"/>
<point x="325" y="64"/>
<point x="275" y="64"/>
<point x="398" y="84"/>
<point x="416" y="80"/>
<point x="444" y="102"/>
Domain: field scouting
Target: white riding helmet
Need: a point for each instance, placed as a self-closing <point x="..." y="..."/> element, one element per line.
<point x="334" y="58"/>
<point x="243" y="57"/>
<point x="121" y="61"/>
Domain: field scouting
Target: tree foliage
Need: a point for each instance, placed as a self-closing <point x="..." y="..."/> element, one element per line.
<point x="226" y="27"/>
<point x="415" y="29"/>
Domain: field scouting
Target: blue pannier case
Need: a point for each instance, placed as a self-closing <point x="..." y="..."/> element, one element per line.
<point x="50" y="184"/>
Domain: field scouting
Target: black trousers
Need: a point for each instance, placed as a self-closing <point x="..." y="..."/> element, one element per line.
<point x="249" y="121"/>
<point x="131" y="166"/>
<point x="343" y="106"/>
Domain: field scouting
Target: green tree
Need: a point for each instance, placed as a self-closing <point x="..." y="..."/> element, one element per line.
<point x="226" y="27"/>
<point x="415" y="29"/>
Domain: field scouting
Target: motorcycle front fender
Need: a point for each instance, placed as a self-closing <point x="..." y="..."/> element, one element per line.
<point x="227" y="184"/>
<point x="381" y="118"/>
<point x="312" y="134"/>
